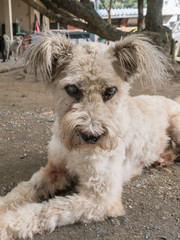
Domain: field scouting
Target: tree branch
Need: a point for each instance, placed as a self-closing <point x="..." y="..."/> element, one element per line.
<point x="53" y="7"/>
<point x="81" y="14"/>
<point x="110" y="4"/>
<point x="104" y="5"/>
<point x="92" y="23"/>
<point x="85" y="1"/>
<point x="76" y="8"/>
<point x="51" y="15"/>
<point x="95" y="23"/>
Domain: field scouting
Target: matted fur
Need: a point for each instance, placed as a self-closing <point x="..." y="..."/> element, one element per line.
<point x="137" y="58"/>
<point x="127" y="132"/>
<point x="48" y="54"/>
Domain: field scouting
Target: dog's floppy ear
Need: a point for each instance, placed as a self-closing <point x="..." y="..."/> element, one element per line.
<point x="138" y="58"/>
<point x="49" y="53"/>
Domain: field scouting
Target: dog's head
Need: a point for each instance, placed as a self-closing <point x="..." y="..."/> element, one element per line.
<point x="18" y="41"/>
<point x="90" y="84"/>
<point x="6" y="38"/>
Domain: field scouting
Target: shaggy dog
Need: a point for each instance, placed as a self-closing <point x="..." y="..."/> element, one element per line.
<point x="102" y="137"/>
<point x="12" y="46"/>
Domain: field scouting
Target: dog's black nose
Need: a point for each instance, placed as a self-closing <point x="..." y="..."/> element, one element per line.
<point x="89" y="137"/>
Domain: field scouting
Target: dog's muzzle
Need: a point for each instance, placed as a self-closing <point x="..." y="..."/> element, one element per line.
<point x="90" y="138"/>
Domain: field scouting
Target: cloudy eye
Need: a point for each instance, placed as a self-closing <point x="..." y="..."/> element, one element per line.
<point x="73" y="91"/>
<point x="109" y="93"/>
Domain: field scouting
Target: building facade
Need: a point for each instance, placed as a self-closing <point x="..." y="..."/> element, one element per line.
<point x="18" y="18"/>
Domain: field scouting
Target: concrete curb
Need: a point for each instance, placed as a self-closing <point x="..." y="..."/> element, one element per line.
<point x="10" y="66"/>
<point x="9" y="69"/>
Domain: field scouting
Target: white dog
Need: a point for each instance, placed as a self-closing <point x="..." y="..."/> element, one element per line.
<point x="102" y="136"/>
<point x="12" y="46"/>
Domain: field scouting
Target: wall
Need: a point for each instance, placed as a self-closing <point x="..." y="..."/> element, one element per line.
<point x="21" y="11"/>
<point x="2" y="17"/>
<point x="24" y="13"/>
<point x="38" y="15"/>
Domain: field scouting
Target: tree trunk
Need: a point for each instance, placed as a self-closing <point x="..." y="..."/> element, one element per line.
<point x="154" y="23"/>
<point x="140" y="14"/>
<point x="154" y="18"/>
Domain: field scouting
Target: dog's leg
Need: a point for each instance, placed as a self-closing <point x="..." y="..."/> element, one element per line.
<point x="7" y="53"/>
<point x="174" y="129"/>
<point x="42" y="184"/>
<point x="39" y="217"/>
<point x="169" y="156"/>
<point x="16" y="54"/>
<point x="3" y="56"/>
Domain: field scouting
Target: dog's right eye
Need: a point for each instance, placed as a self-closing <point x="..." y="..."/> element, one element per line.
<point x="73" y="91"/>
<point x="109" y="93"/>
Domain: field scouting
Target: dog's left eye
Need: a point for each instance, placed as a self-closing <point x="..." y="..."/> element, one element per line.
<point x="109" y="93"/>
<point x="73" y="91"/>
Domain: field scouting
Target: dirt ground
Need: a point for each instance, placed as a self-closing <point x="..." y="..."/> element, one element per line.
<point x="152" y="200"/>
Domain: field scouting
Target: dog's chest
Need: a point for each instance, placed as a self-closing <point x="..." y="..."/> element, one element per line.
<point x="88" y="165"/>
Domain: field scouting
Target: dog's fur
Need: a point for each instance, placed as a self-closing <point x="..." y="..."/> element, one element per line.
<point x="12" y="46"/>
<point x="101" y="137"/>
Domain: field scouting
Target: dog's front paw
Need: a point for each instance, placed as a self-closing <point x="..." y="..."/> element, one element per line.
<point x="11" y="227"/>
<point x="5" y="234"/>
<point x="116" y="209"/>
<point x="6" y="222"/>
<point x="21" y="223"/>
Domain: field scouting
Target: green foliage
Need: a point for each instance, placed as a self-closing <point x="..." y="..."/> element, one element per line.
<point x="122" y="3"/>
